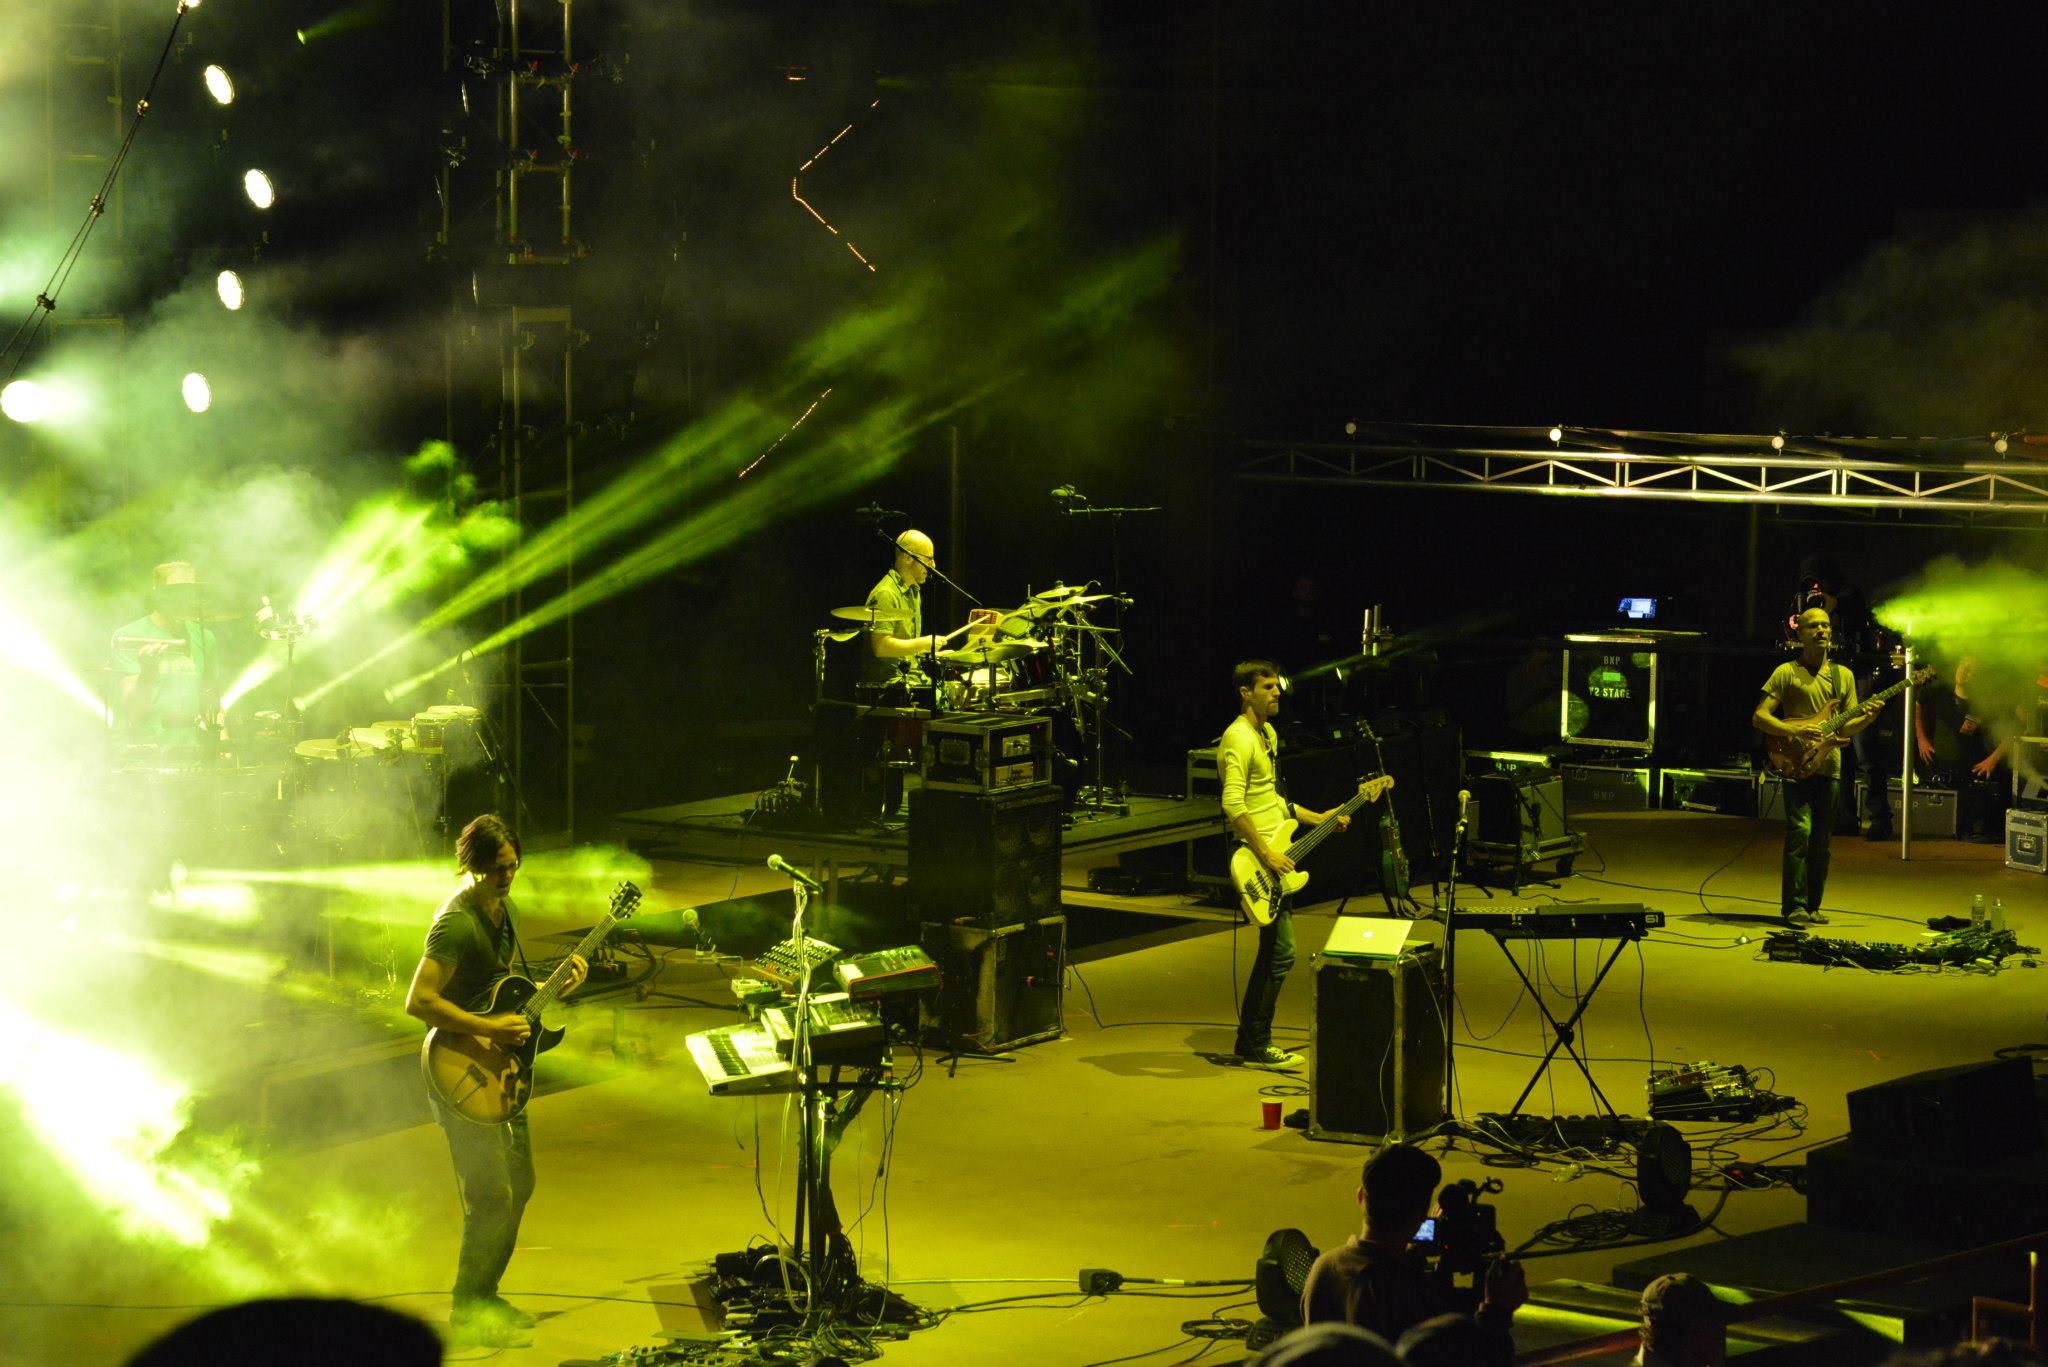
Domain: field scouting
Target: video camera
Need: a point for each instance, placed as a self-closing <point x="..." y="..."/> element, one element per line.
<point x="1461" y="1238"/>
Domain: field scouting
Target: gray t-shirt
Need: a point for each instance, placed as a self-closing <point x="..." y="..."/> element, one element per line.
<point x="1801" y="694"/>
<point x="891" y="593"/>
<point x="477" y="952"/>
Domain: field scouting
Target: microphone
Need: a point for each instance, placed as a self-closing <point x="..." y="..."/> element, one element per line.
<point x="797" y="875"/>
<point x="875" y="512"/>
<point x="1464" y="799"/>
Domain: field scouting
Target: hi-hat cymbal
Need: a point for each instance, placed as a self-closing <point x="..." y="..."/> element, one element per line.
<point x="994" y="653"/>
<point x="865" y="613"/>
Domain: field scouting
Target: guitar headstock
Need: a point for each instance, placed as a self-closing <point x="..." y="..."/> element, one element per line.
<point x="625" y="901"/>
<point x="1922" y="676"/>
<point x="1374" y="786"/>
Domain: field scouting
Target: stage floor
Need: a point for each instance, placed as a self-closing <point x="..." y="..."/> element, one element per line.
<point x="1132" y="1144"/>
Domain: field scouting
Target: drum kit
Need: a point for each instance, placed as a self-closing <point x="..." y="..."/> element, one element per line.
<point x="1045" y="656"/>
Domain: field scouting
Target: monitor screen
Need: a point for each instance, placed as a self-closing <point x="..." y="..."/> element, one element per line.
<point x="1638" y="609"/>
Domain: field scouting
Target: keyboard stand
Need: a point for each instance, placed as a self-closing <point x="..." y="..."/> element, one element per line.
<point x="1564" y="1033"/>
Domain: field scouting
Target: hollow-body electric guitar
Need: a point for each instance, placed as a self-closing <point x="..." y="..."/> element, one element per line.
<point x="1258" y="890"/>
<point x="1798" y="757"/>
<point x="491" y="1083"/>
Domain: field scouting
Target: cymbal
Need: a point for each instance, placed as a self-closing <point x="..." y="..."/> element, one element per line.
<point x="1058" y="592"/>
<point x="864" y="613"/>
<point x="994" y="653"/>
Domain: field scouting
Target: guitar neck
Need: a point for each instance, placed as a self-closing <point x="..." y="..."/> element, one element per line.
<point x="551" y="990"/>
<point x="1875" y="700"/>
<point x="1300" y="848"/>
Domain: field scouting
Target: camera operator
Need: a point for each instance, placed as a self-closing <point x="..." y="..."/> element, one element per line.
<point x="1379" y="1280"/>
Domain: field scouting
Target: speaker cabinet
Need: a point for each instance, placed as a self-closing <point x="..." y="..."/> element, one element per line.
<point x="1972" y="1112"/>
<point x="1376" y="1048"/>
<point x="1947" y="1199"/>
<point x="986" y="859"/>
<point x="998" y="988"/>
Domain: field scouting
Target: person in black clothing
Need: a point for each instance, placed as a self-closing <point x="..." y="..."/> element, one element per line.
<point x="471" y="945"/>
<point x="1377" y="1281"/>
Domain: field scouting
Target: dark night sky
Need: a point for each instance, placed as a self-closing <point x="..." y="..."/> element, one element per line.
<point x="1444" y="214"/>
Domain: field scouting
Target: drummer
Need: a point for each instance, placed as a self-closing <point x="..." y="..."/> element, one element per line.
<point x="168" y="666"/>
<point x="897" y="635"/>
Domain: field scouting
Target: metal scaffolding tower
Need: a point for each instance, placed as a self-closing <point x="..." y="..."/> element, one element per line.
<point x="514" y="58"/>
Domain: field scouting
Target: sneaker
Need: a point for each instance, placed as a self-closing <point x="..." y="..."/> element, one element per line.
<point x="1272" y="1056"/>
<point x="510" y="1313"/>
<point x="482" y="1324"/>
<point x="1805" y="918"/>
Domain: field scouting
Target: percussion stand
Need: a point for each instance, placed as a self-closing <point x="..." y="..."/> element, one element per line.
<point x="1075" y="504"/>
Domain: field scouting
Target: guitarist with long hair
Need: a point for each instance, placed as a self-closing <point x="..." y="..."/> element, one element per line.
<point x="1255" y="809"/>
<point x="471" y="945"/>
<point x="1799" y="696"/>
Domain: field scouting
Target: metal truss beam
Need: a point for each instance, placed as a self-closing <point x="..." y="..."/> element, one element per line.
<point x="1929" y="477"/>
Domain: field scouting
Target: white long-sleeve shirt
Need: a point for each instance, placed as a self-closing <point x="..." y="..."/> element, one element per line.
<point x="1247" y="770"/>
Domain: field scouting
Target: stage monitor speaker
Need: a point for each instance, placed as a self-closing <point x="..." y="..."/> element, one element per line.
<point x="1970" y="1112"/>
<point x="1376" y="1048"/>
<point x="1948" y="1198"/>
<point x="986" y="859"/>
<point x="998" y="988"/>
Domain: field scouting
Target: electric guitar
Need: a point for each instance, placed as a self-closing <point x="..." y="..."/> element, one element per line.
<point x="1393" y="862"/>
<point x="1798" y="757"/>
<point x="491" y="1083"/>
<point x="1258" y="890"/>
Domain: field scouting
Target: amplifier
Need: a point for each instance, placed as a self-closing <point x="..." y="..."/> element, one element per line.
<point x="987" y="752"/>
<point x="990" y="859"/>
<point x="1603" y="785"/>
<point x="2026" y="840"/>
<point x="1727" y="792"/>
<point x="999" y="988"/>
<point x="1934" y="809"/>
<point x="1376" y="1050"/>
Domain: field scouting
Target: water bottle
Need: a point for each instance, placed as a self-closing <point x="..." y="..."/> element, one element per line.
<point x="1998" y="916"/>
<point x="1977" y="912"/>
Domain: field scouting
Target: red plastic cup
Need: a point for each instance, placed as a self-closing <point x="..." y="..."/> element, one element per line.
<point x="1271" y="1113"/>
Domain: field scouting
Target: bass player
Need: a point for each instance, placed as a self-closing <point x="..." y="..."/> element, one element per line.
<point x="1800" y="694"/>
<point x="470" y="946"/>
<point x="1255" y="809"/>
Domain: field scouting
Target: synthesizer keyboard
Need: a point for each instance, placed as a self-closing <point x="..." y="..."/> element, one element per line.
<point x="906" y="968"/>
<point x="1557" y="921"/>
<point x="841" y="1029"/>
<point x="737" y="1059"/>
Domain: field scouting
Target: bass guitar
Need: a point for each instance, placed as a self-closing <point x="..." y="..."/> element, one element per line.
<point x="1801" y="756"/>
<point x="491" y="1083"/>
<point x="1259" y="891"/>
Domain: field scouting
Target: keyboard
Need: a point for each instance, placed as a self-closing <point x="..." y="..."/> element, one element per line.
<point x="737" y="1059"/>
<point x="1554" y="921"/>
<point x="841" y="1029"/>
<point x="907" y="968"/>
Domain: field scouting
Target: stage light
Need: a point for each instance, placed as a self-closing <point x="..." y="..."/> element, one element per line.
<point x="1778" y="442"/>
<point x="1350" y="429"/>
<point x="24" y="647"/>
<point x="198" y="393"/>
<point x="219" y="84"/>
<point x="1999" y="444"/>
<point x="1556" y="435"/>
<point x="25" y="401"/>
<point x="257" y="186"/>
<point x="228" y="286"/>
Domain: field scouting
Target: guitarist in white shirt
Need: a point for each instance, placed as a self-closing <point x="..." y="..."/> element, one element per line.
<point x="1794" y="704"/>
<point x="1255" y="809"/>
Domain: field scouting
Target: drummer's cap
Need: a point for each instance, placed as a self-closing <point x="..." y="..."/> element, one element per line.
<point x="173" y="572"/>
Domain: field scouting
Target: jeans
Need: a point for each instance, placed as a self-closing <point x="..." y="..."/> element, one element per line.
<point x="1262" y="987"/>
<point x="494" y="1164"/>
<point x="1809" y="822"/>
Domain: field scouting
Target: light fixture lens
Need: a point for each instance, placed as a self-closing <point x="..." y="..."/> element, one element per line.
<point x="228" y="286"/>
<point x="198" y="393"/>
<point x="257" y="186"/>
<point x="219" y="84"/>
<point x="1556" y="435"/>
<point x="1778" y="442"/>
<point x="25" y="401"/>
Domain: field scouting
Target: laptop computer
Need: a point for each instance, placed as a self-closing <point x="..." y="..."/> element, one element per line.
<point x="1371" y="937"/>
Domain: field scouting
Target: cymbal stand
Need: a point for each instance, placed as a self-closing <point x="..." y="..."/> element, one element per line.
<point x="1097" y="796"/>
<point x="1074" y="503"/>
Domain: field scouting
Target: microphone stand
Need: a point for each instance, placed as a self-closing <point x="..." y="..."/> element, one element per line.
<point x="1450" y="915"/>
